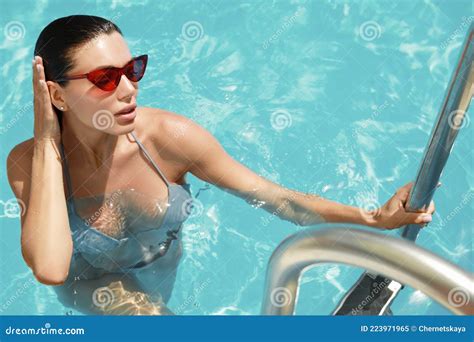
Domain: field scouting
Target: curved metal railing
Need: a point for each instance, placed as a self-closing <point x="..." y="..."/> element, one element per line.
<point x="395" y="258"/>
<point x="453" y="111"/>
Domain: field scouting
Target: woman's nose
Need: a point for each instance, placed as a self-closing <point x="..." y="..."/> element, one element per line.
<point x="125" y="88"/>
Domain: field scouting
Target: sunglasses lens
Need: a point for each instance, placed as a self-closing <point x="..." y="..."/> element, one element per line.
<point x="108" y="79"/>
<point x="105" y="79"/>
<point x="136" y="68"/>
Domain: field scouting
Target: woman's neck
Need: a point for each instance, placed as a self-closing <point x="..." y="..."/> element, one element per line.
<point x="93" y="147"/>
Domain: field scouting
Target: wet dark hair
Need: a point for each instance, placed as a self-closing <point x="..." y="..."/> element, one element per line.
<point x="58" y="40"/>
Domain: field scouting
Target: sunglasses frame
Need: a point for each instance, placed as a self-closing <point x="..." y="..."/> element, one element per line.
<point x="121" y="71"/>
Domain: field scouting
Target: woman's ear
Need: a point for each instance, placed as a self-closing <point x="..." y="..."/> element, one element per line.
<point x="57" y="95"/>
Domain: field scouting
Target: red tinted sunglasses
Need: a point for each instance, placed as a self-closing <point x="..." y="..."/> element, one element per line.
<point x="109" y="78"/>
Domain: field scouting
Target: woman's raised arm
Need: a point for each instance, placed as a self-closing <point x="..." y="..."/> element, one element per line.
<point x="35" y="175"/>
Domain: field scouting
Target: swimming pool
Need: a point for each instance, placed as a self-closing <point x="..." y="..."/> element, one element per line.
<point x="335" y="98"/>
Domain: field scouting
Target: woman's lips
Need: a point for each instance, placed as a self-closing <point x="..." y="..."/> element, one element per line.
<point x="127" y="116"/>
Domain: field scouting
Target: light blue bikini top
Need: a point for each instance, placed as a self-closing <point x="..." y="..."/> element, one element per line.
<point x="135" y="249"/>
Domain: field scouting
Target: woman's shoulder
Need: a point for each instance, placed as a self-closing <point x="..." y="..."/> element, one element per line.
<point x="19" y="170"/>
<point x="161" y="118"/>
<point x="22" y="151"/>
<point x="168" y="132"/>
<point x="162" y="125"/>
<point x="177" y="137"/>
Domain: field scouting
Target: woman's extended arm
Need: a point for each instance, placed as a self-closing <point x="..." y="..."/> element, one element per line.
<point x="210" y="162"/>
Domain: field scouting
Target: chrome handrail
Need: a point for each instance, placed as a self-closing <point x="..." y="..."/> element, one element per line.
<point x="393" y="257"/>
<point x="457" y="98"/>
<point x="456" y="102"/>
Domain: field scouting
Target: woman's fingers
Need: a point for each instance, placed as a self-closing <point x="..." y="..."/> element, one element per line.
<point x="403" y="217"/>
<point x="43" y="87"/>
<point x="431" y="208"/>
<point x="46" y="123"/>
<point x="39" y="71"/>
<point x="404" y="191"/>
<point x="33" y="66"/>
<point x="407" y="187"/>
<point x="37" y="77"/>
<point x="418" y="218"/>
<point x="36" y="86"/>
<point x="422" y="217"/>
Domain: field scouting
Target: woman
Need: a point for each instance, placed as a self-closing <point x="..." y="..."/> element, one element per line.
<point x="103" y="181"/>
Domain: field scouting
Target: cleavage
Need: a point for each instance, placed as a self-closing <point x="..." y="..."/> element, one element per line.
<point x="122" y="212"/>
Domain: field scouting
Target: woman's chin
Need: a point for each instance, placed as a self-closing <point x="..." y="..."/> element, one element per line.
<point x="124" y="129"/>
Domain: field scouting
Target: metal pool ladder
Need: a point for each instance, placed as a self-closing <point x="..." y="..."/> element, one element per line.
<point x="450" y="120"/>
<point x="395" y="258"/>
<point x="431" y="281"/>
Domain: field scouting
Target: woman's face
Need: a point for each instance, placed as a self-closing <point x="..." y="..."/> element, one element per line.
<point x="93" y="107"/>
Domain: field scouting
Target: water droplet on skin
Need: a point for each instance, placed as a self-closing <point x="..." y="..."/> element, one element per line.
<point x="160" y="209"/>
<point x="256" y="203"/>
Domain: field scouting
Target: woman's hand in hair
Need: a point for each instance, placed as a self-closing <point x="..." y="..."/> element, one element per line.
<point x="46" y="122"/>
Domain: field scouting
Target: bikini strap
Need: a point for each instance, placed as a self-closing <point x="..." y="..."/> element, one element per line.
<point x="147" y="155"/>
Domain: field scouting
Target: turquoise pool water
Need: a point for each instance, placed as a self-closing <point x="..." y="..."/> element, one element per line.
<point x="335" y="98"/>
